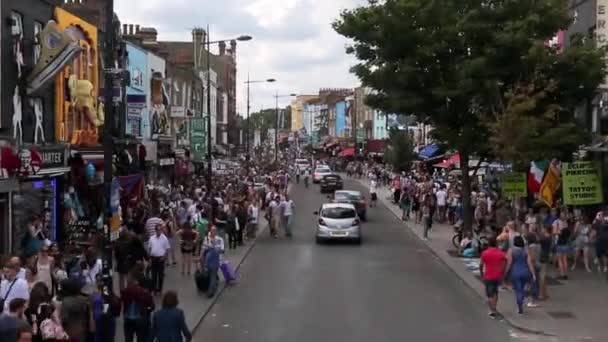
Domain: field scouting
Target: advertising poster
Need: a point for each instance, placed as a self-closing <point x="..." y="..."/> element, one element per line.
<point x="582" y="183"/>
<point x="514" y="185"/>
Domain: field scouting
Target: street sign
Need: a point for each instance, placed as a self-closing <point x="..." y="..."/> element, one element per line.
<point x="198" y="139"/>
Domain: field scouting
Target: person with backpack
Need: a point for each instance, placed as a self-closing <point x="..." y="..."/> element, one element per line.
<point x="137" y="304"/>
<point x="188" y="239"/>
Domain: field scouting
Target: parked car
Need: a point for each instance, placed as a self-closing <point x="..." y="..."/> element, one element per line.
<point x="353" y="197"/>
<point x="338" y="221"/>
<point x="320" y="171"/>
<point x="331" y="182"/>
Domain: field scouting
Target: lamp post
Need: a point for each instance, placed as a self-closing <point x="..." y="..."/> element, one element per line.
<point x="209" y="174"/>
<point x="248" y="82"/>
<point x="276" y="126"/>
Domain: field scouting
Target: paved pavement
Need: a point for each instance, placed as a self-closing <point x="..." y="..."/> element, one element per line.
<point x="576" y="309"/>
<point x="391" y="288"/>
<point x="194" y="303"/>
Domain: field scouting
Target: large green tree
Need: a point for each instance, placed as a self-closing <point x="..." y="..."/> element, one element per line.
<point x="400" y="153"/>
<point x="454" y="64"/>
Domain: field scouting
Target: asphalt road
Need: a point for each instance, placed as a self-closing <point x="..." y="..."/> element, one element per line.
<point x="391" y="288"/>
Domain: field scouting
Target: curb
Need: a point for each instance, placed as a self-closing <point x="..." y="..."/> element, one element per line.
<point x="462" y="279"/>
<point x="221" y="290"/>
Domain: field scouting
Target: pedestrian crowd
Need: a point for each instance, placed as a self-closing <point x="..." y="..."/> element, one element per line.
<point x="57" y="293"/>
<point x="520" y="244"/>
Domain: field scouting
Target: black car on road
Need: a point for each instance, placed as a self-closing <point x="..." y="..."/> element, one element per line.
<point x="331" y="183"/>
<point x="356" y="198"/>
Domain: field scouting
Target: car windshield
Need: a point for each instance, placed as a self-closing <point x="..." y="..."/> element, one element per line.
<point x="323" y="170"/>
<point x="338" y="213"/>
<point x="346" y="196"/>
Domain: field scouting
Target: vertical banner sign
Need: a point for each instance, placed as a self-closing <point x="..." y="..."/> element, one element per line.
<point x="514" y="185"/>
<point x="198" y="139"/>
<point x="601" y="30"/>
<point x="582" y="183"/>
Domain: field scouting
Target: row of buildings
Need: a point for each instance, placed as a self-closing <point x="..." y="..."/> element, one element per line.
<point x="341" y="115"/>
<point x="52" y="113"/>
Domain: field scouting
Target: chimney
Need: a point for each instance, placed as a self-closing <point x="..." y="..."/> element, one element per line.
<point x="233" y="47"/>
<point x="147" y="35"/>
<point x="198" y="41"/>
<point x="222" y="48"/>
<point x="130" y="29"/>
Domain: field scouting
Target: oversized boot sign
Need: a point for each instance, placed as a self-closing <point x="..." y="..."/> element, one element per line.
<point x="57" y="50"/>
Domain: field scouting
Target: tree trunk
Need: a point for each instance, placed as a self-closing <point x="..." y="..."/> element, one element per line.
<point x="467" y="213"/>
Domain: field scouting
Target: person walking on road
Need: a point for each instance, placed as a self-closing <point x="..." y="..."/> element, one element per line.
<point x="373" y="189"/>
<point x="521" y="267"/>
<point x="287" y="207"/>
<point x="137" y="304"/>
<point x="187" y="237"/>
<point x="306" y="177"/>
<point x="213" y="248"/>
<point x="492" y="267"/>
<point x="158" y="246"/>
<point x="274" y="216"/>
<point x="253" y="213"/>
<point x="169" y="323"/>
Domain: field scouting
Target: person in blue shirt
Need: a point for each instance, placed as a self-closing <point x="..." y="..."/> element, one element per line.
<point x="169" y="323"/>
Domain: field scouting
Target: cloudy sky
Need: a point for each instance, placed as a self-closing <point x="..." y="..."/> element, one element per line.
<point x="293" y="41"/>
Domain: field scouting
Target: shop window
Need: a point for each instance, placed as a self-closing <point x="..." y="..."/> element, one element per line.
<point x="37" y="46"/>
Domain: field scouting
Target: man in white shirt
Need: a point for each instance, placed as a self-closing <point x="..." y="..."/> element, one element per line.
<point x="253" y="214"/>
<point x="442" y="201"/>
<point x="287" y="206"/>
<point x="158" y="245"/>
<point x="12" y="287"/>
<point x="274" y="211"/>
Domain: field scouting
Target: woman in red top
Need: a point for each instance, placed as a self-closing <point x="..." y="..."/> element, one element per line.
<point x="188" y="246"/>
<point x="492" y="267"/>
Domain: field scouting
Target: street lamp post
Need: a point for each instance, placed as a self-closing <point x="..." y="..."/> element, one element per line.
<point x="247" y="155"/>
<point x="276" y="125"/>
<point x="208" y="67"/>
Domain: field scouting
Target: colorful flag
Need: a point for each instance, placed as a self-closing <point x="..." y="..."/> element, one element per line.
<point x="550" y="184"/>
<point x="537" y="172"/>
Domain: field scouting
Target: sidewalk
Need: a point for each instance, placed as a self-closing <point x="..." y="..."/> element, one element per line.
<point x="195" y="304"/>
<point x="575" y="310"/>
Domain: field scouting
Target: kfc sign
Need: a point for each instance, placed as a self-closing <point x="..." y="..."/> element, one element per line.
<point x="31" y="162"/>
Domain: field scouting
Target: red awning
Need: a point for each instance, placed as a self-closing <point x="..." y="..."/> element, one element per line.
<point x="454" y="159"/>
<point x="348" y="152"/>
<point x="376" y="146"/>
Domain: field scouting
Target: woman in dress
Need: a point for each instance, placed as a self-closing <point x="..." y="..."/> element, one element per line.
<point x="188" y="239"/>
<point x="582" y="230"/>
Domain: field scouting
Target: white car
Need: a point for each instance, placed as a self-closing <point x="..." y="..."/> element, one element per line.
<point x="338" y="221"/>
<point x="320" y="172"/>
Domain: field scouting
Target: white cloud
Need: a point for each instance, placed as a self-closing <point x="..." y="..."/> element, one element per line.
<point x="293" y="40"/>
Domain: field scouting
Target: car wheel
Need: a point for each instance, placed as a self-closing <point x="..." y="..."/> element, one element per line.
<point x="318" y="240"/>
<point x="358" y="240"/>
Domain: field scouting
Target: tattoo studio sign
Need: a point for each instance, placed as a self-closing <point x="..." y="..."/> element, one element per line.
<point x="582" y="183"/>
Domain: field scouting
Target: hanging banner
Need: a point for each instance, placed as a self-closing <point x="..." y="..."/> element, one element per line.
<point x="198" y="139"/>
<point x="514" y="185"/>
<point x="582" y="183"/>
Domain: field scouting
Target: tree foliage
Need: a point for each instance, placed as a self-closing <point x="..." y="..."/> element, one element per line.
<point x="400" y="153"/>
<point x="463" y="66"/>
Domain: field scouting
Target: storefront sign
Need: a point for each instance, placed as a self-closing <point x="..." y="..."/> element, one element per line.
<point x="514" y="185"/>
<point x="166" y="161"/>
<point x="52" y="158"/>
<point x="601" y="29"/>
<point x="135" y="110"/>
<point x="178" y="112"/>
<point x="198" y="139"/>
<point x="582" y="183"/>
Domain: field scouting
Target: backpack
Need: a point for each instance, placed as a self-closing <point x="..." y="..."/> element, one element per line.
<point x="133" y="311"/>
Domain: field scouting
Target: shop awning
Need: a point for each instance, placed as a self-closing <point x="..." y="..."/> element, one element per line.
<point x="348" y="152"/>
<point x="376" y="146"/>
<point x="453" y="160"/>
<point x="428" y="151"/>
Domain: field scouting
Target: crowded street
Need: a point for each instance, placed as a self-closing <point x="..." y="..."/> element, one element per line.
<point x="389" y="287"/>
<point x="303" y="170"/>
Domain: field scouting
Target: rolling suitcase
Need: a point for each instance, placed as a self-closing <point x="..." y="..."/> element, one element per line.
<point x="201" y="278"/>
<point x="228" y="272"/>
